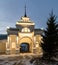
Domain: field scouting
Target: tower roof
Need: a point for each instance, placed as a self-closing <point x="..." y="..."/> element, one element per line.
<point x="25" y="15"/>
<point x="25" y="20"/>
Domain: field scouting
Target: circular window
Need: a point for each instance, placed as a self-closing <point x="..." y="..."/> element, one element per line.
<point x="25" y="29"/>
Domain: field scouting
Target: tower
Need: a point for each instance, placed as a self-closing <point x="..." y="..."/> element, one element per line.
<point x="26" y="33"/>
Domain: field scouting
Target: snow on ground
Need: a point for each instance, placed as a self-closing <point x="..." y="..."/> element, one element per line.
<point x="15" y="60"/>
<point x="21" y="60"/>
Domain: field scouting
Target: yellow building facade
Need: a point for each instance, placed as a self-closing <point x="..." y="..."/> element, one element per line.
<point x="24" y="38"/>
<point x="2" y="46"/>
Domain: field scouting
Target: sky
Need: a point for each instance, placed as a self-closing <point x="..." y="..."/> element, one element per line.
<point x="38" y="10"/>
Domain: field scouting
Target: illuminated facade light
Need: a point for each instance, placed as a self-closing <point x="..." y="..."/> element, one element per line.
<point x="25" y="29"/>
<point x="36" y="45"/>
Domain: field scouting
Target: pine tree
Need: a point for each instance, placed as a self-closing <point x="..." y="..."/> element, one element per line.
<point x="50" y="36"/>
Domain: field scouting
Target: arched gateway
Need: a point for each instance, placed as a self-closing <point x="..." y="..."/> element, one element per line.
<point x="24" y="47"/>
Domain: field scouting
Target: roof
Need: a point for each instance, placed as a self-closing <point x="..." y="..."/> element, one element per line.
<point x="13" y="29"/>
<point x="39" y="31"/>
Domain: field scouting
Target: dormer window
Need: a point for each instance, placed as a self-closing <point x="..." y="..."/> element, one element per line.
<point x="25" y="29"/>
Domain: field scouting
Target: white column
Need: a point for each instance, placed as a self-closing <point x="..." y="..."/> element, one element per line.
<point x="9" y="39"/>
<point x="17" y="45"/>
<point x="8" y="45"/>
<point x="8" y="42"/>
<point x="34" y="39"/>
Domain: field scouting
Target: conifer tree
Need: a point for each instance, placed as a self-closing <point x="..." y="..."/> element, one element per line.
<point x="50" y="36"/>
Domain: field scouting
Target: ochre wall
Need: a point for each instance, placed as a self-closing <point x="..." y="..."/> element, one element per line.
<point x="2" y="46"/>
<point x="38" y="38"/>
<point x="13" y="38"/>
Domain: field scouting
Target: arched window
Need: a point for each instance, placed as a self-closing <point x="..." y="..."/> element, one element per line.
<point x="25" y="29"/>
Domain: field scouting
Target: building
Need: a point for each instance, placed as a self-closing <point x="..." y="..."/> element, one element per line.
<point x="22" y="39"/>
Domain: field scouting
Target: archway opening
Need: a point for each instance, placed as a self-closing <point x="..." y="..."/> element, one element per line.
<point x="24" y="47"/>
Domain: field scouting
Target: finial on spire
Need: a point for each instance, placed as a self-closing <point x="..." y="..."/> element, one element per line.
<point x="25" y="15"/>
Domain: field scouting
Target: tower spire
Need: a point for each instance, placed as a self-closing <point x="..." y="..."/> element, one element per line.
<point x="25" y="15"/>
